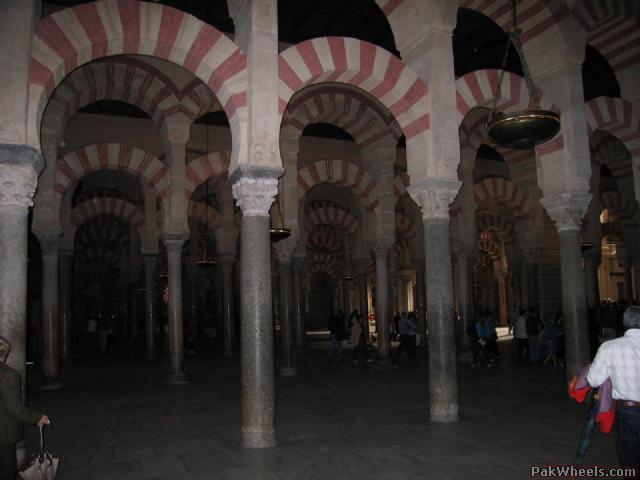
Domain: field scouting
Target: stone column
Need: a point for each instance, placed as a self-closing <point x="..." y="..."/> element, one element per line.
<point x="254" y="190"/>
<point x="628" y="282"/>
<point x="66" y="321"/>
<point x="567" y="212"/>
<point x="531" y="269"/>
<point x="227" y="262"/>
<point x="284" y="250"/>
<point x="434" y="201"/>
<point x="465" y="297"/>
<point x="381" y="250"/>
<point x="503" y="310"/>
<point x="174" y="246"/>
<point x="298" y="297"/>
<point x="150" y="304"/>
<point x="362" y="266"/>
<point x="50" y="326"/>
<point x="591" y="260"/>
<point x="421" y="304"/>
<point x="17" y="185"/>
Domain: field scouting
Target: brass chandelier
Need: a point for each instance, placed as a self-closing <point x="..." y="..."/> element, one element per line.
<point x="524" y="129"/>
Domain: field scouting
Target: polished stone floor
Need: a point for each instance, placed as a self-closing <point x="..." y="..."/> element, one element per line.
<point x="115" y="419"/>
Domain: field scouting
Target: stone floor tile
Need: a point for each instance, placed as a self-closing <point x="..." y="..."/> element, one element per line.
<point x="154" y="467"/>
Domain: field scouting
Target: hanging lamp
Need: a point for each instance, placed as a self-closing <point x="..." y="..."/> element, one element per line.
<point x="206" y="261"/>
<point x="524" y="129"/>
<point x="279" y="233"/>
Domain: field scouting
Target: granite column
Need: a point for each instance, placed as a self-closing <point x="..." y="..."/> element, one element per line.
<point x="50" y="325"/>
<point x="381" y="250"/>
<point x="174" y="246"/>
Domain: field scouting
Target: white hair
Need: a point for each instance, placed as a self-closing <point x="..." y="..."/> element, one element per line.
<point x="631" y="317"/>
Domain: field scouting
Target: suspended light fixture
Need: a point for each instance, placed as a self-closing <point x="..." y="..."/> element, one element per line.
<point x="279" y="233"/>
<point x="206" y="261"/>
<point x="525" y="129"/>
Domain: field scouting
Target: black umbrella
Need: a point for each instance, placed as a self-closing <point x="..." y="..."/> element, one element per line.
<point x="588" y="428"/>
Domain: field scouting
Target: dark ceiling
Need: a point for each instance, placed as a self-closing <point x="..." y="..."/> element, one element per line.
<point x="477" y="42"/>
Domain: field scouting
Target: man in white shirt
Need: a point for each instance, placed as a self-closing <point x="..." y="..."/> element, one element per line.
<point x="619" y="360"/>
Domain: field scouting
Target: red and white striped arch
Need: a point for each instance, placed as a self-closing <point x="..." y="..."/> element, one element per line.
<point x="74" y="36"/>
<point x="622" y="206"/>
<point x="324" y="236"/>
<point x="355" y="113"/>
<point x="361" y="64"/>
<point x="617" y="117"/>
<point x="326" y="212"/>
<point x="400" y="184"/>
<point x="205" y="167"/>
<point x="111" y="156"/>
<point x="613" y="28"/>
<point x="341" y="173"/>
<point x="608" y="150"/>
<point x="111" y="206"/>
<point x="487" y="220"/>
<point x="206" y="216"/>
<point x="534" y="16"/>
<point x="405" y="226"/>
<point x="478" y="89"/>
<point x="110" y="81"/>
<point x="323" y="258"/>
<point x="503" y="191"/>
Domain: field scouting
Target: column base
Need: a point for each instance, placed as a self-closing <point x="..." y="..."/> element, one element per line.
<point x="177" y="379"/>
<point x="54" y="384"/>
<point x="258" y="438"/>
<point x="288" y="371"/>
<point x="444" y="413"/>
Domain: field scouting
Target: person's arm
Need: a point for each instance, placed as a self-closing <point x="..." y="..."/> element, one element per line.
<point x="10" y="391"/>
<point x="599" y="370"/>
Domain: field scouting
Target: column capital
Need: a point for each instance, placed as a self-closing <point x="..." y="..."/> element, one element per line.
<point x="434" y="197"/>
<point x="255" y="189"/>
<point x="284" y="248"/>
<point x="174" y="242"/>
<point x="381" y="246"/>
<point x="49" y="243"/>
<point x="18" y="183"/>
<point x="567" y="209"/>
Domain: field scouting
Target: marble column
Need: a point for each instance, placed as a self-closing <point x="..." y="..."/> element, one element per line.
<point x="50" y="326"/>
<point x="287" y="313"/>
<point x="66" y="320"/>
<point x="591" y="260"/>
<point x="503" y="309"/>
<point x="298" y="297"/>
<point x="17" y="186"/>
<point x="421" y="304"/>
<point x="381" y="250"/>
<point x="363" y="273"/>
<point x="443" y="388"/>
<point x="567" y="212"/>
<point x="150" y="304"/>
<point x="174" y="246"/>
<point x="465" y="297"/>
<point x="227" y="262"/>
<point x="254" y="189"/>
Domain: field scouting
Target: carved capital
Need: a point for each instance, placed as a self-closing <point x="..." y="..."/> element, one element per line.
<point x="284" y="248"/>
<point x="18" y="183"/>
<point x="255" y="195"/>
<point x="434" y="197"/>
<point x="174" y="244"/>
<point x="567" y="209"/>
<point x="382" y="246"/>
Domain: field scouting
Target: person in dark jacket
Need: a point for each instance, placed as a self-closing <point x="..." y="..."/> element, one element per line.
<point x="13" y="414"/>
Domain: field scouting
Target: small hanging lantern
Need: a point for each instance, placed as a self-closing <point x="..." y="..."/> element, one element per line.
<point x="281" y="232"/>
<point x="525" y="129"/>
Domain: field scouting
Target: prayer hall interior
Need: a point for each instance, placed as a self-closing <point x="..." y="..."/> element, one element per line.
<point x="192" y="189"/>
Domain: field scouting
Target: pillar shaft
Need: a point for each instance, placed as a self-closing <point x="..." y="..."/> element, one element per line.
<point x="287" y="319"/>
<point x="421" y="304"/>
<point x="591" y="280"/>
<point x="227" y="301"/>
<point x="465" y="297"/>
<point x="364" y="297"/>
<point x="532" y="282"/>
<point x="298" y="295"/>
<point x="176" y="326"/>
<point x="573" y="301"/>
<point x="443" y="391"/>
<point x="50" y="326"/>
<point x="255" y="193"/>
<point x="382" y="302"/>
<point x="150" y="305"/>
<point x="66" y="321"/>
